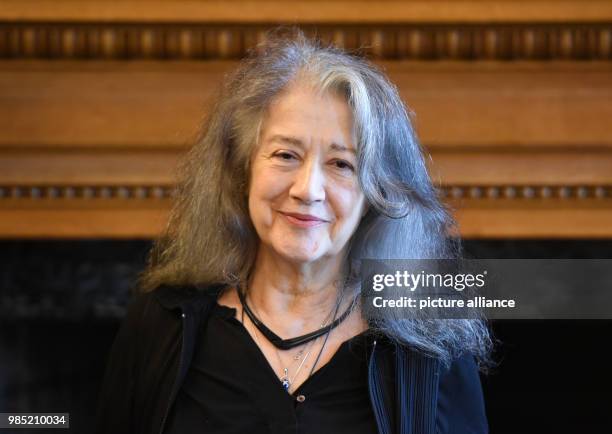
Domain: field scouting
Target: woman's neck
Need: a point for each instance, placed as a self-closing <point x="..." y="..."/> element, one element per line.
<point x="295" y="299"/>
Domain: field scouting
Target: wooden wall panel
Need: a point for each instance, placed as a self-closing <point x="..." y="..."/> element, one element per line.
<point x="103" y="104"/>
<point x="77" y="218"/>
<point x="159" y="104"/>
<point x="572" y="220"/>
<point x="305" y="11"/>
<point x="511" y="98"/>
<point x="83" y="167"/>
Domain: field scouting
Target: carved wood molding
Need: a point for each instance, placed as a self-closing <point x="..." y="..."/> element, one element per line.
<point x="527" y="192"/>
<point x="114" y="211"/>
<point x="35" y="193"/>
<point x="84" y="192"/>
<point x="570" y="40"/>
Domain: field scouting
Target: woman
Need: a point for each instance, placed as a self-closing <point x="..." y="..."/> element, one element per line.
<point x="249" y="317"/>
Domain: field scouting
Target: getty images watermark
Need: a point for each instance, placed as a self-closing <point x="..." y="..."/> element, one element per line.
<point x="491" y="288"/>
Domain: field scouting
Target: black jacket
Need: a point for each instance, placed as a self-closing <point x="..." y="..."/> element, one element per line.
<point x="410" y="393"/>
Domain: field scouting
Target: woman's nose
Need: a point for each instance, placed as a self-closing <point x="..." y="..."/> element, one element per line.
<point x="309" y="183"/>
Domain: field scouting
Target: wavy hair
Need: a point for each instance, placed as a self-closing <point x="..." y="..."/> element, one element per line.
<point x="209" y="237"/>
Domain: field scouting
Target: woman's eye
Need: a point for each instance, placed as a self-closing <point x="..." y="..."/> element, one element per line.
<point x="284" y="155"/>
<point x="344" y="165"/>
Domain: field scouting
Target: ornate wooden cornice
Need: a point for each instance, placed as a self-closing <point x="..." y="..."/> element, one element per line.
<point x="156" y="192"/>
<point x="99" y="99"/>
<point x="497" y="41"/>
<point x="527" y="192"/>
<point x="85" y="192"/>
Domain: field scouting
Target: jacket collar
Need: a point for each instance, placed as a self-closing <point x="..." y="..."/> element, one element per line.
<point x="185" y="296"/>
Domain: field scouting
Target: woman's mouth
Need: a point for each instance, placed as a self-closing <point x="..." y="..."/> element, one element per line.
<point x="303" y="220"/>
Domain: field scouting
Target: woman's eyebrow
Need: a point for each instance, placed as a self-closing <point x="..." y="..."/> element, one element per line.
<point x="286" y="139"/>
<point x="337" y="147"/>
<point x="295" y="141"/>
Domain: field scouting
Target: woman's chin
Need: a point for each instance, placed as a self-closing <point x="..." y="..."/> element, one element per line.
<point x="298" y="255"/>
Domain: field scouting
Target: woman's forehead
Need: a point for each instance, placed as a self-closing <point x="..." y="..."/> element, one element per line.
<point x="299" y="114"/>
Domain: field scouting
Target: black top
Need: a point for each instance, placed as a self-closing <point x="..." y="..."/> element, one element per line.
<point x="231" y="388"/>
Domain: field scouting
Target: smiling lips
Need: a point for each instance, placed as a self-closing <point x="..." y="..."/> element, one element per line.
<point x="303" y="220"/>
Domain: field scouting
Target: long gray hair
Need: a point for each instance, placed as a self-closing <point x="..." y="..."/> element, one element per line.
<point x="210" y="238"/>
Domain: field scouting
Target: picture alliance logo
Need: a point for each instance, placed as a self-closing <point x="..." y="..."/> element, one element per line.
<point x="442" y="303"/>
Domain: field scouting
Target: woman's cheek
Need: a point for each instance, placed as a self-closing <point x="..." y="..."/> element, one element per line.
<point x="347" y="202"/>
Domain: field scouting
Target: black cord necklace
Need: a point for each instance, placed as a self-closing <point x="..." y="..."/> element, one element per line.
<point x="285" y="344"/>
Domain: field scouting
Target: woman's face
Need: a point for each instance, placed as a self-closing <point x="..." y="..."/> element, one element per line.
<point x="306" y="164"/>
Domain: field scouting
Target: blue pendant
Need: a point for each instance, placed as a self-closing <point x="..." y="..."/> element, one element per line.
<point x="286" y="384"/>
<point x="285" y="379"/>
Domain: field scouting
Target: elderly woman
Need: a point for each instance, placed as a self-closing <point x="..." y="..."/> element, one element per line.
<point x="249" y="318"/>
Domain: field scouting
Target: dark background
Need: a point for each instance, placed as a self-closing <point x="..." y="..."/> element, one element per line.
<point x="61" y="303"/>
